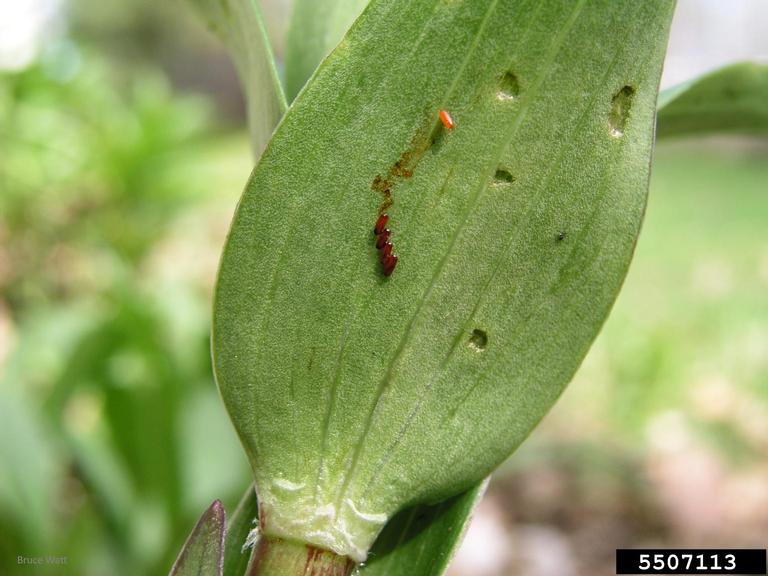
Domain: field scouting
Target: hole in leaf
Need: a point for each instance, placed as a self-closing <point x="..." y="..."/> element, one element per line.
<point x="509" y="87"/>
<point x="478" y="340"/>
<point x="503" y="177"/>
<point x="620" y="105"/>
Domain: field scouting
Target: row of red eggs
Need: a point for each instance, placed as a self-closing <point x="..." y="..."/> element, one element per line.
<point x="383" y="234"/>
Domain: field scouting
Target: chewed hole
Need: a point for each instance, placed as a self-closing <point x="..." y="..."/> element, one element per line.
<point x="478" y="340"/>
<point x="509" y="87"/>
<point x="620" y="106"/>
<point x="502" y="177"/>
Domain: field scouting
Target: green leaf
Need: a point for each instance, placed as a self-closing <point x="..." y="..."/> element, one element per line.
<point x="315" y="29"/>
<point x="356" y="395"/>
<point x="203" y="552"/>
<point x="731" y="99"/>
<point x="30" y="469"/>
<point x="240" y="526"/>
<point x="240" y="26"/>
<point x="422" y="540"/>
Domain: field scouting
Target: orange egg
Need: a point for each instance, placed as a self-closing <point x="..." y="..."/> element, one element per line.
<point x="446" y="119"/>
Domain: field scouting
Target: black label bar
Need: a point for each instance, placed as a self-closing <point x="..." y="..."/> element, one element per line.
<point x="692" y="561"/>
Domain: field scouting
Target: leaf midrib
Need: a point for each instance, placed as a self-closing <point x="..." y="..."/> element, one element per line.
<point x="483" y="185"/>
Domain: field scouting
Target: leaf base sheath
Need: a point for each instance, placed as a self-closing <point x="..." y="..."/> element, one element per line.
<point x="277" y="557"/>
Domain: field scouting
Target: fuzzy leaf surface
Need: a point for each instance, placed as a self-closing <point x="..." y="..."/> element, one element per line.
<point x="356" y="395"/>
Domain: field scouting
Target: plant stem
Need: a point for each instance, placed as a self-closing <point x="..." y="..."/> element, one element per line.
<point x="276" y="557"/>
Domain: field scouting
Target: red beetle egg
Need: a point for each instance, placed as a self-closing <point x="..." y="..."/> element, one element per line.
<point x="381" y="223"/>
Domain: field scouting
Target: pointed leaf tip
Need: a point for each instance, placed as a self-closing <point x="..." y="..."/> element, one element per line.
<point x="203" y="552"/>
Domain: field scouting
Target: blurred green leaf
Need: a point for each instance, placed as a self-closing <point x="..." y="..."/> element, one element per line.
<point x="241" y="523"/>
<point x="314" y="30"/>
<point x="212" y="461"/>
<point x="203" y="552"/>
<point x="357" y="396"/>
<point x="126" y="359"/>
<point x="731" y="99"/>
<point x="240" y="26"/>
<point x="32" y="462"/>
<point x="101" y="168"/>
<point x="422" y="540"/>
<point x="30" y="469"/>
